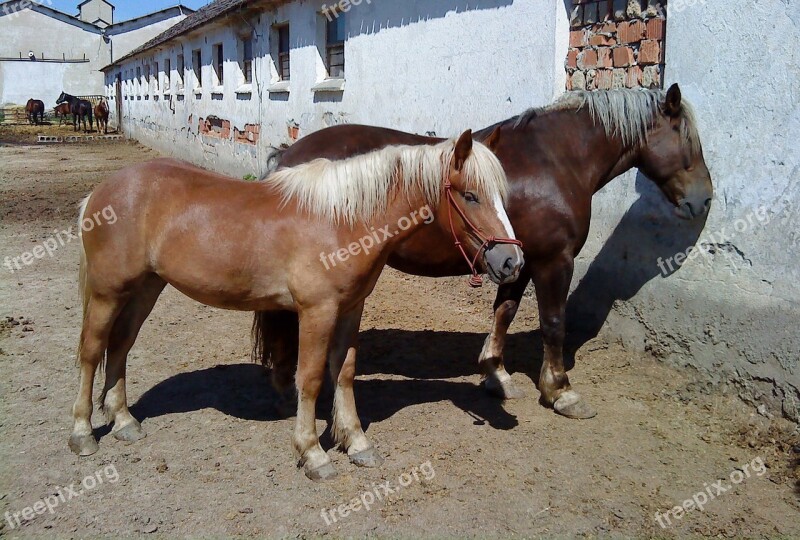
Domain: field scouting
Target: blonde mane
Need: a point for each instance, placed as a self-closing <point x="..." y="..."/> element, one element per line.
<point x="360" y="188"/>
<point x="624" y="113"/>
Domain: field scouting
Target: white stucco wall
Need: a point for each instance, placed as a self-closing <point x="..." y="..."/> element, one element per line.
<point x="733" y="315"/>
<point x="414" y="66"/>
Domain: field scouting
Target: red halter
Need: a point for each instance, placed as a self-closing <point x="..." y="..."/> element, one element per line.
<point x="475" y="280"/>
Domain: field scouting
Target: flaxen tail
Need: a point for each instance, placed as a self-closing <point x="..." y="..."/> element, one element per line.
<point x="85" y="291"/>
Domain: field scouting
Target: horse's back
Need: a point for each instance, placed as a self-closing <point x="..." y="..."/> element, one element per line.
<point x="347" y="140"/>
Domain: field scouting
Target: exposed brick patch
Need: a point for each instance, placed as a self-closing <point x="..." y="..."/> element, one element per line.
<point x="250" y="135"/>
<point x="623" y="35"/>
<point x="214" y="126"/>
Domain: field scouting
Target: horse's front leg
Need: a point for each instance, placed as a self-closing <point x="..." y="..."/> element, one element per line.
<point x="347" y="430"/>
<point x="552" y="281"/>
<point x="497" y="380"/>
<point x="317" y="327"/>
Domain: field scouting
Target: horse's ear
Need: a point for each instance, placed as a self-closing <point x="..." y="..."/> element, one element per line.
<point x="493" y="140"/>
<point x="672" y="104"/>
<point x="462" y="150"/>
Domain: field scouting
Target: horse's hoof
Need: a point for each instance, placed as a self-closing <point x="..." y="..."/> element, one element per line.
<point x="503" y="390"/>
<point x="572" y="405"/>
<point x="367" y="458"/>
<point x="321" y="473"/>
<point x="130" y="433"/>
<point x="83" y="445"/>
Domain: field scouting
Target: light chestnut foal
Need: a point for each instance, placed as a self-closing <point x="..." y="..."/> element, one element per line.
<point x="256" y="247"/>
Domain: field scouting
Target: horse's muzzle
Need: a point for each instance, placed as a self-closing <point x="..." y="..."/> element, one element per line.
<point x="503" y="262"/>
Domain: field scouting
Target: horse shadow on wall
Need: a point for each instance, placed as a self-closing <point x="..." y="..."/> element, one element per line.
<point x="641" y="248"/>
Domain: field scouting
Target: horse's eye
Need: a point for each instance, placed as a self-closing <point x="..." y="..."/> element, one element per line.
<point x="470" y="197"/>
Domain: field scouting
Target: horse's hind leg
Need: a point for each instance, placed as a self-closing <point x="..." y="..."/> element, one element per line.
<point x="281" y="335"/>
<point x="113" y="399"/>
<point x="97" y="322"/>
<point x="497" y="380"/>
<point x="347" y="429"/>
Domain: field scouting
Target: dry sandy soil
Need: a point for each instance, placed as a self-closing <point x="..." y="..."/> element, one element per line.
<point x="217" y="460"/>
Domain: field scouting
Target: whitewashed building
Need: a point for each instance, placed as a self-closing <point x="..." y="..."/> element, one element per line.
<point x="238" y="78"/>
<point x="44" y="51"/>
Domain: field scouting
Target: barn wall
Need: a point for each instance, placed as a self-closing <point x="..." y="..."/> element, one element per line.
<point x="732" y="311"/>
<point x="20" y="81"/>
<point x="411" y="66"/>
<point x="58" y="36"/>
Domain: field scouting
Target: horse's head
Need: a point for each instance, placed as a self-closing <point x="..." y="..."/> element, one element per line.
<point x="471" y="209"/>
<point x="673" y="158"/>
<point x="62" y="98"/>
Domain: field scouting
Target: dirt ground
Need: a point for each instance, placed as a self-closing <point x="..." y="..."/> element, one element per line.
<point x="217" y="461"/>
<point x="27" y="134"/>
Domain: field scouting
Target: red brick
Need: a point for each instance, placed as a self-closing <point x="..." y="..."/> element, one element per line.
<point x="605" y="28"/>
<point x="572" y="59"/>
<point x="604" y="79"/>
<point x="631" y="32"/>
<point x="634" y="77"/>
<point x="602" y="40"/>
<point x="650" y="52"/>
<point x="656" y="28"/>
<point x="587" y="59"/>
<point x="577" y="38"/>
<point x="623" y="57"/>
<point x="604" y="59"/>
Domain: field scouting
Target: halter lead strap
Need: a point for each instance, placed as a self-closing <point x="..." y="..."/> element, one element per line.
<point x="475" y="279"/>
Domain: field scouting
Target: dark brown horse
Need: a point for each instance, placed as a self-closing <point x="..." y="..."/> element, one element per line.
<point x="556" y="159"/>
<point x="80" y="109"/>
<point x="34" y="111"/>
<point x="101" y="115"/>
<point x="61" y="111"/>
<point x="289" y="244"/>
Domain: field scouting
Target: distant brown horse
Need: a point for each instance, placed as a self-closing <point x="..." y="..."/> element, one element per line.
<point x="297" y="242"/>
<point x="101" y="115"/>
<point x="556" y="159"/>
<point x="34" y="111"/>
<point x="61" y="112"/>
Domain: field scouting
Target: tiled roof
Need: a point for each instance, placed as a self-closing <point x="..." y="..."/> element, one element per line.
<point x="202" y="16"/>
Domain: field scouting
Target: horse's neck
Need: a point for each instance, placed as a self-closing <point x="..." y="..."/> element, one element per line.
<point x="595" y="157"/>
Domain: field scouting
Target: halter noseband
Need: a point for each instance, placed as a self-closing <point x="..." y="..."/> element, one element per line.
<point x="475" y="279"/>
